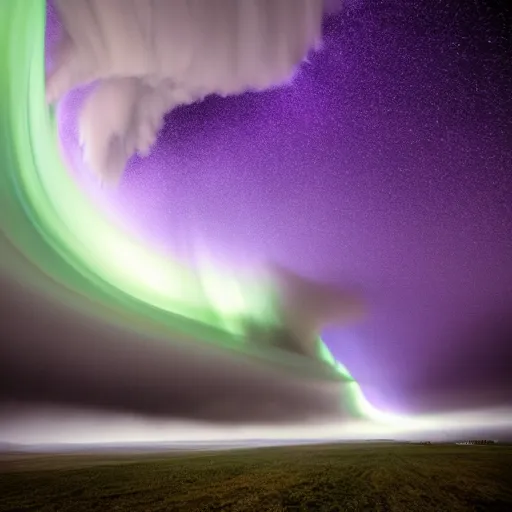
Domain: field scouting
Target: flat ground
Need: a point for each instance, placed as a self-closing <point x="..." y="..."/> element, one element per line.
<point x="345" y="477"/>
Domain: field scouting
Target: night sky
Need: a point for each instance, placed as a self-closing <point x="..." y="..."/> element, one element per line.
<point x="388" y="163"/>
<point x="385" y="165"/>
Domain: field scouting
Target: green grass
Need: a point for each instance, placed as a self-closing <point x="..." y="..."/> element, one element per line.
<point x="348" y="477"/>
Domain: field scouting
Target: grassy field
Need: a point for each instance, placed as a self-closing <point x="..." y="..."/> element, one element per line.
<point x="348" y="477"/>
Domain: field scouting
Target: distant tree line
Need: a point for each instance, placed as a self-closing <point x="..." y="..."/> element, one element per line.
<point x="478" y="441"/>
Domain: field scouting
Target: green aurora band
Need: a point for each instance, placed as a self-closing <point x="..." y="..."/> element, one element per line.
<point x="55" y="241"/>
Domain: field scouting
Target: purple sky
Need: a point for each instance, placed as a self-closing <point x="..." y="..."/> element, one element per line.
<point x="388" y="163"/>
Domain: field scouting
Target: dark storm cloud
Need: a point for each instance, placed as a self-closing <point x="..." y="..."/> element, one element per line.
<point x="49" y="353"/>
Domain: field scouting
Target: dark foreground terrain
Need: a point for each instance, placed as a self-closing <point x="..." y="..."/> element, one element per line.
<point x="386" y="477"/>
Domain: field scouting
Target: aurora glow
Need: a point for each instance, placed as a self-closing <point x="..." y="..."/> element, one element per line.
<point x="55" y="243"/>
<point x="67" y="245"/>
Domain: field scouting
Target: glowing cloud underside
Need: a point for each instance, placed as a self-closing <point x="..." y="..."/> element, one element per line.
<point x="55" y="241"/>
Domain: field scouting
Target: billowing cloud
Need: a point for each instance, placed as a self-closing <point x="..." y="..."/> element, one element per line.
<point x="147" y="58"/>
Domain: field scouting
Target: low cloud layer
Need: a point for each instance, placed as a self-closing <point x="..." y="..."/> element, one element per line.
<point x="50" y="353"/>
